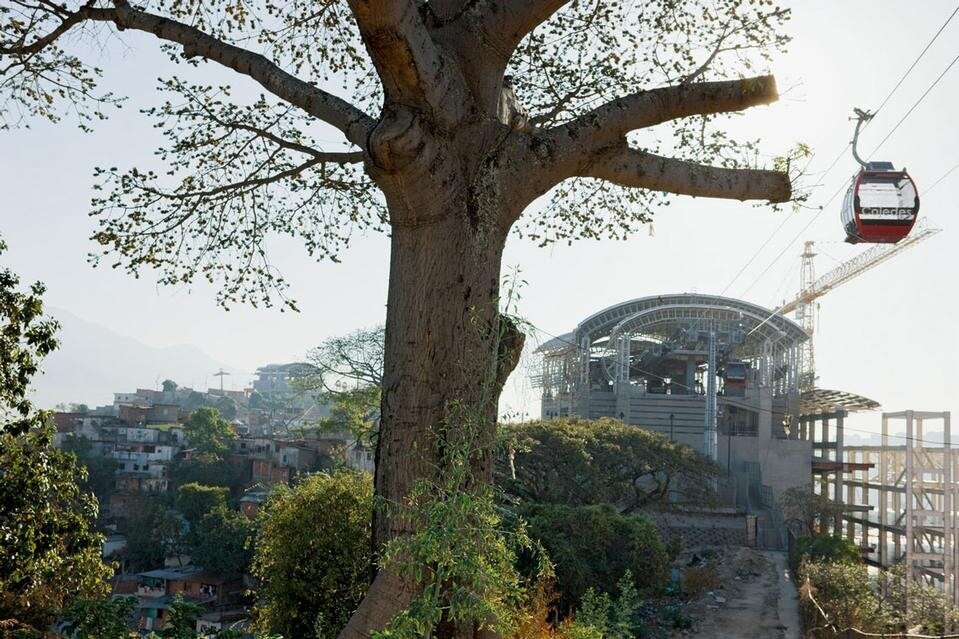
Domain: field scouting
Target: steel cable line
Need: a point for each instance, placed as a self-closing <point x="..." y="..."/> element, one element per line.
<point x="916" y="61"/>
<point x="943" y="177"/>
<point x="833" y="164"/>
<point x="917" y="103"/>
<point x="839" y="190"/>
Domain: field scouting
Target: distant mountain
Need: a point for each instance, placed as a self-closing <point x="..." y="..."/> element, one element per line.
<point x="93" y="362"/>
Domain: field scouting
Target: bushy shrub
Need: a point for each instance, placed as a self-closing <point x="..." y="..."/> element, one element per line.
<point x="594" y="546"/>
<point x="312" y="555"/>
<point x="844" y="592"/>
<point x="829" y="548"/>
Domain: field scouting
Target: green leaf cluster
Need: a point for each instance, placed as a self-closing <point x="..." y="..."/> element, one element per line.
<point x="49" y="552"/>
<point x="209" y="433"/>
<point x="194" y="500"/>
<point x="461" y="555"/>
<point x="313" y="554"/>
<point x="578" y="462"/>
<point x="220" y="542"/>
<point x="605" y="616"/>
<point x="592" y="547"/>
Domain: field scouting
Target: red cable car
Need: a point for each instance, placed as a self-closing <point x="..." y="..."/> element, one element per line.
<point x="734" y="378"/>
<point x="881" y="205"/>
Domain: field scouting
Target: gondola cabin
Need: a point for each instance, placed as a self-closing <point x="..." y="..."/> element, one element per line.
<point x="734" y="378"/>
<point x="881" y="205"/>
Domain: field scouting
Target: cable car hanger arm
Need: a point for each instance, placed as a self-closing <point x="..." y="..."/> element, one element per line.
<point x="861" y="117"/>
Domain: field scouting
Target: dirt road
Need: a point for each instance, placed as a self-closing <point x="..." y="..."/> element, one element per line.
<point x="757" y="600"/>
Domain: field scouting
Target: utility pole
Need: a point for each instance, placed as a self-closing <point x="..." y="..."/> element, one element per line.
<point x="670" y="427"/>
<point x="710" y="443"/>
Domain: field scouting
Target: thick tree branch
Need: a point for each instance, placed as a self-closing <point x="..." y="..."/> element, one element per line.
<point x="354" y="123"/>
<point x="634" y="168"/>
<point x="505" y="23"/>
<point x="413" y="69"/>
<point x="611" y="121"/>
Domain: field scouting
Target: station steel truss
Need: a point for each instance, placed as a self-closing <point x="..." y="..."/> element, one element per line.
<point x="901" y="499"/>
<point x="614" y="334"/>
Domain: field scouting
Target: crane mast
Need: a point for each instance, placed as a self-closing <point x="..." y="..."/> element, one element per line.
<point x="812" y="288"/>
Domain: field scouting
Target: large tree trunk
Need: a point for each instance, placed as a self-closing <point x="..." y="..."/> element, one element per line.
<point x="442" y="337"/>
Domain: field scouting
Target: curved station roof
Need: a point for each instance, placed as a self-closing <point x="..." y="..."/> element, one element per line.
<point x="662" y="317"/>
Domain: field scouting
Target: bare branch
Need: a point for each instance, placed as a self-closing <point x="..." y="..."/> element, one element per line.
<point x="68" y="21"/>
<point x="613" y="120"/>
<point x="354" y="123"/>
<point x="634" y="168"/>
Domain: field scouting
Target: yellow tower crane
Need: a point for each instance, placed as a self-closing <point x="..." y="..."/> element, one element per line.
<point x="812" y="288"/>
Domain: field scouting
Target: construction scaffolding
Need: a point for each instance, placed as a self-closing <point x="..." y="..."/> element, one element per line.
<point x="901" y="499"/>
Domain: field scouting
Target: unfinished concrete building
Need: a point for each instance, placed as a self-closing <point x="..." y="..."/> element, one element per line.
<point x="719" y="374"/>
<point x="901" y="498"/>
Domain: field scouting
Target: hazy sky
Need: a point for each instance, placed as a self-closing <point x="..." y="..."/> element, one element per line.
<point x="890" y="334"/>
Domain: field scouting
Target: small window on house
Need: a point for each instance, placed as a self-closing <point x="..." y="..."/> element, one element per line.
<point x="136" y="466"/>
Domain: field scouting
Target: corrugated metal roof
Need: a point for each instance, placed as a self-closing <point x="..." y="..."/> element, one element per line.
<point x="817" y="401"/>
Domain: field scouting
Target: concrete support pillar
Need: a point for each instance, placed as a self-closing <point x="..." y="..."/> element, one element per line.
<point x="622" y="387"/>
<point x="840" y="476"/>
<point x="690" y="374"/>
<point x="765" y="426"/>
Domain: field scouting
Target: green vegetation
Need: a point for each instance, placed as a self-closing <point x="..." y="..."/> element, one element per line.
<point x="207" y="471"/>
<point x="592" y="547"/>
<point x="808" y="513"/>
<point x="347" y="372"/>
<point x="49" y="554"/>
<point x="313" y="555"/>
<point x="611" y="617"/>
<point x="828" y="548"/>
<point x="105" y="619"/>
<point x="100" y="470"/>
<point x="220" y="542"/>
<point x="209" y="433"/>
<point x="837" y="592"/>
<point x="195" y="500"/>
<point x="154" y="532"/>
<point x="580" y="462"/>
<point x="460" y="557"/>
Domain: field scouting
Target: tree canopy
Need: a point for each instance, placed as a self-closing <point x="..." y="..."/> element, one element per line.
<point x="50" y="554"/>
<point x="580" y="462"/>
<point x="313" y="555"/>
<point x="154" y="533"/>
<point x="220" y="542"/>
<point x="194" y="500"/>
<point x="209" y="433"/>
<point x="347" y="373"/>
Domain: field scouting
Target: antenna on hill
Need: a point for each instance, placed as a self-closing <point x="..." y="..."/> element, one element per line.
<point x="220" y="374"/>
